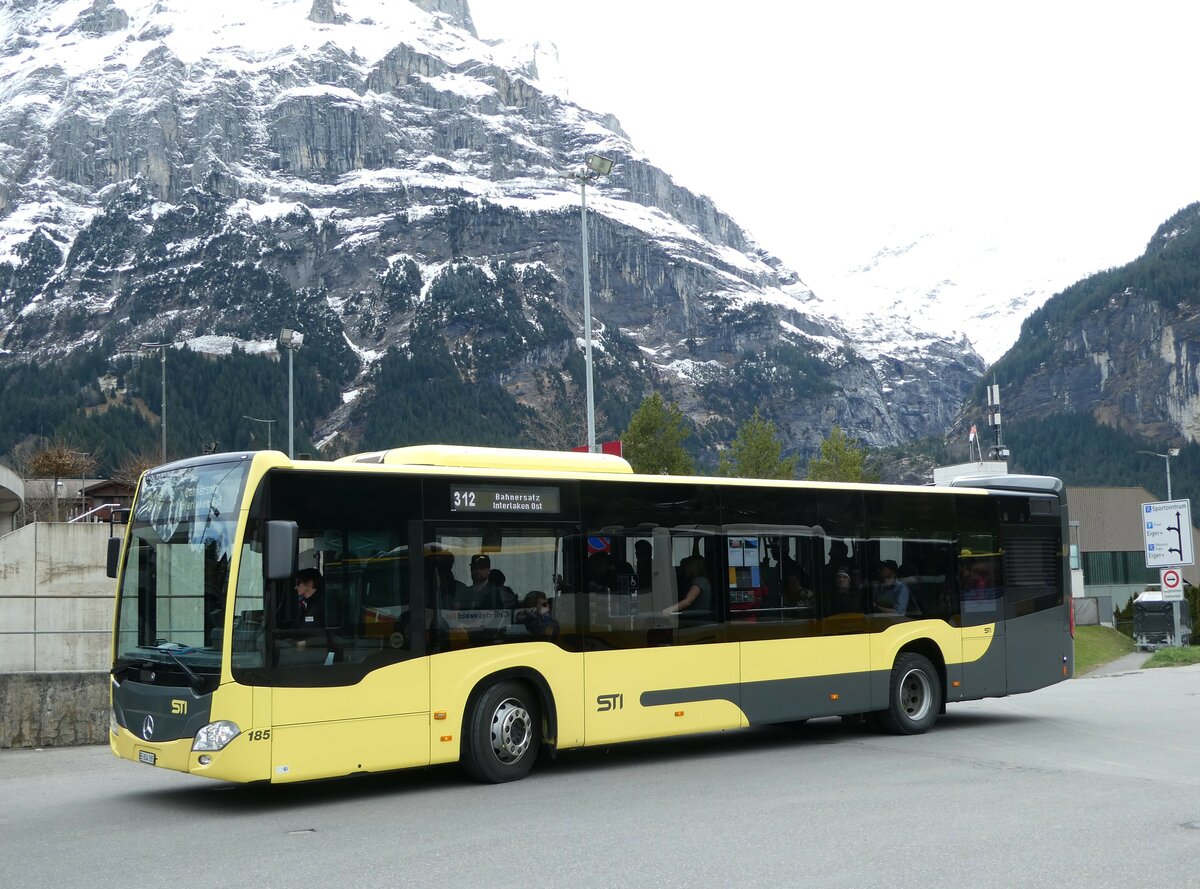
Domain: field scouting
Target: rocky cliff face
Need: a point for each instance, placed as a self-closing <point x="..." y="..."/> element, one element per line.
<point x="374" y="173"/>
<point x="1122" y="346"/>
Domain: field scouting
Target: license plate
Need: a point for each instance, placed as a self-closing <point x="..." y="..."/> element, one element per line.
<point x="147" y="757"/>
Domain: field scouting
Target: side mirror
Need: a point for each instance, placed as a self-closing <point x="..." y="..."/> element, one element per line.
<point x="283" y="543"/>
<point x="114" y="556"/>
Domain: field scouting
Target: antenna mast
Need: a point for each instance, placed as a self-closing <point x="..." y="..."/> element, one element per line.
<point x="997" y="451"/>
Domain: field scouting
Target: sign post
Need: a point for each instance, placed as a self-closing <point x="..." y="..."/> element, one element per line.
<point x="1167" y="532"/>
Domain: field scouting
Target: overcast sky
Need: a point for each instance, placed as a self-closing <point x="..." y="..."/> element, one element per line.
<point x="822" y="127"/>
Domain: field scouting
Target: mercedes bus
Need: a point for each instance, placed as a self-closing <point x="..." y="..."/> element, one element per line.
<point x="479" y="605"/>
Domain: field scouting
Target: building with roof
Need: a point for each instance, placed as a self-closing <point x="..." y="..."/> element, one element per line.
<point x="76" y="496"/>
<point x="1107" y="542"/>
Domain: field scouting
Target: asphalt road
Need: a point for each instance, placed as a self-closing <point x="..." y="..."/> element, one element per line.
<point x="1093" y="783"/>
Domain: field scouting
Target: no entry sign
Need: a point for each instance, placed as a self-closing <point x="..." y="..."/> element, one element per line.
<point x="1172" y="584"/>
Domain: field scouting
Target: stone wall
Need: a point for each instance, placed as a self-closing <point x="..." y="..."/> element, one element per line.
<point x="53" y="709"/>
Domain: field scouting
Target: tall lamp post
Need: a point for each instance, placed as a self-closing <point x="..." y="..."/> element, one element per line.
<point x="1171" y="452"/>
<point x="268" y="422"/>
<point x="596" y="166"/>
<point x="291" y="340"/>
<point x="162" y="352"/>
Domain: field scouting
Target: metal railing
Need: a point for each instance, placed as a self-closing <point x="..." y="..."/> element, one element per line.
<point x="116" y="509"/>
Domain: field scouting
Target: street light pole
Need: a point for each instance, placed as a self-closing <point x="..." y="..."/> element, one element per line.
<point x="596" y="167"/>
<point x="1171" y="452"/>
<point x="269" y="424"/>
<point x="291" y="340"/>
<point x="162" y="352"/>
<point x="587" y="320"/>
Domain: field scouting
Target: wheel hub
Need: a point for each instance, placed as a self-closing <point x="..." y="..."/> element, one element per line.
<point x="915" y="695"/>
<point x="512" y="730"/>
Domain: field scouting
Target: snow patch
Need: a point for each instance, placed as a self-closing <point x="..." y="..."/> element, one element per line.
<point x="461" y="85"/>
<point x="366" y="356"/>
<point x="224" y="345"/>
<point x="270" y="210"/>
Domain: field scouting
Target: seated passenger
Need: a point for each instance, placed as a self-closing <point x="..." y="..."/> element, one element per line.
<point x="795" y="594"/>
<point x="891" y="596"/>
<point x="601" y="573"/>
<point x="846" y="595"/>
<point x="441" y="587"/>
<point x="536" y="616"/>
<point x="643" y="552"/>
<point x="508" y="597"/>
<point x="482" y="593"/>
<point x="697" y="589"/>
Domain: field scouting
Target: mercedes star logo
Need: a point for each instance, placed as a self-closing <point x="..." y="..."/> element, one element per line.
<point x="148" y="727"/>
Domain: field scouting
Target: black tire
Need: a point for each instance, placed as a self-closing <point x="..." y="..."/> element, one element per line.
<point x="502" y="734"/>
<point x="914" y="698"/>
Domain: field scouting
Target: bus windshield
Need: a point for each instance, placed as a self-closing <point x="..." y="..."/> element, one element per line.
<point x="170" y="606"/>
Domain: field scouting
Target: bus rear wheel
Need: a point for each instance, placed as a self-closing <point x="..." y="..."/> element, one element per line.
<point x="503" y="734"/>
<point x="914" y="698"/>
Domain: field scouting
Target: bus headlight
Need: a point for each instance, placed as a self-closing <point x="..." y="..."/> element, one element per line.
<point x="216" y="735"/>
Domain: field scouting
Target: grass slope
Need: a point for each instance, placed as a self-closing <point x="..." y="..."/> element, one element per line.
<point x="1098" y="645"/>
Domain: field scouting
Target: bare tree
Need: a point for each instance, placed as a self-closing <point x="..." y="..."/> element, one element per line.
<point x="58" y="460"/>
<point x="563" y="426"/>
<point x="129" y="471"/>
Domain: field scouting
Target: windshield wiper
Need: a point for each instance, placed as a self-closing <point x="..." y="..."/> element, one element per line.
<point x="196" y="683"/>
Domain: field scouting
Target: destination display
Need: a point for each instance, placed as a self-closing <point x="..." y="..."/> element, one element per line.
<point x="509" y="498"/>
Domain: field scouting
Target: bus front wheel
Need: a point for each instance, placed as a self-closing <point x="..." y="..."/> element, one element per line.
<point x="915" y="696"/>
<point x="503" y="734"/>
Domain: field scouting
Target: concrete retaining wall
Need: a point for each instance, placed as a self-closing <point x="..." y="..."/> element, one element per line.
<point x="56" y="615"/>
<point x="53" y="709"/>
<point x="56" y="603"/>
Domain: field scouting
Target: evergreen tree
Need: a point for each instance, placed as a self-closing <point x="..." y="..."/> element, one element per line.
<point x="653" y="443"/>
<point x="757" y="452"/>
<point x="841" y="460"/>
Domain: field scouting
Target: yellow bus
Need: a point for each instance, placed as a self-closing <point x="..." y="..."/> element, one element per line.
<point x="480" y="605"/>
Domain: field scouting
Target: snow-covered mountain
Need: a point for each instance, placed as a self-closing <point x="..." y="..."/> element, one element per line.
<point x="374" y="172"/>
<point x="976" y="279"/>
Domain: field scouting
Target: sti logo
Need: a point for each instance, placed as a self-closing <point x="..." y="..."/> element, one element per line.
<point x="606" y="703"/>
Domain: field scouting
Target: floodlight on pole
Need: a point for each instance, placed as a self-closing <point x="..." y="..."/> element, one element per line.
<point x="162" y="352"/>
<point x="596" y="166"/>
<point x="291" y="340"/>
<point x="599" y="164"/>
